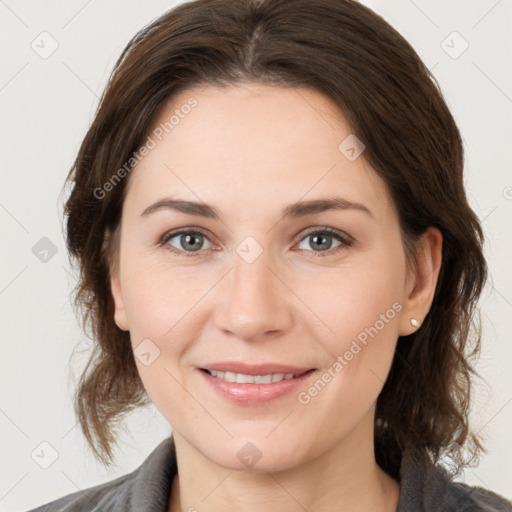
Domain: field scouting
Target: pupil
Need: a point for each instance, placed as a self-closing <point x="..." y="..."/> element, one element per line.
<point x="323" y="245"/>
<point x="189" y="242"/>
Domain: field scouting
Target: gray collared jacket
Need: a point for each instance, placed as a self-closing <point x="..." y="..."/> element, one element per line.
<point x="423" y="487"/>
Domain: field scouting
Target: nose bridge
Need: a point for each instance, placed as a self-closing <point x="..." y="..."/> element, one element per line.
<point x="252" y="279"/>
<point x="256" y="301"/>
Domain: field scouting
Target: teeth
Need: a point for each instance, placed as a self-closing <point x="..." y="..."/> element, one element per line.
<point x="241" y="378"/>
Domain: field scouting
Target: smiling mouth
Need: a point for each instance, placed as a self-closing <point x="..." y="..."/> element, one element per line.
<point x="241" y="378"/>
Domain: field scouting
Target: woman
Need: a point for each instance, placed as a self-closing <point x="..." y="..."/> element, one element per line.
<point x="276" y="249"/>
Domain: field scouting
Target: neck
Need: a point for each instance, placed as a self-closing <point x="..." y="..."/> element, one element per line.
<point x="346" y="477"/>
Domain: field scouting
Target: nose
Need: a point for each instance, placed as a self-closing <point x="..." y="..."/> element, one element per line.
<point x="253" y="300"/>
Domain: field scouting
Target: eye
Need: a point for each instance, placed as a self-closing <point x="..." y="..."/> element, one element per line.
<point x="189" y="242"/>
<point x="322" y="239"/>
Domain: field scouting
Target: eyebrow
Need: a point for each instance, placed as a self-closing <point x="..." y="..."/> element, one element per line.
<point x="294" y="211"/>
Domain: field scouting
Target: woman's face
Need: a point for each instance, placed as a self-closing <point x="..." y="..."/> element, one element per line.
<point x="258" y="287"/>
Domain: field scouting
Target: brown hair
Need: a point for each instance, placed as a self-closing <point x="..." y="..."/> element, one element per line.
<point x="393" y="103"/>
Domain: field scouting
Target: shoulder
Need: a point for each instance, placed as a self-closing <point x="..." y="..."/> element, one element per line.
<point x="467" y="498"/>
<point x="146" y="489"/>
<point x="426" y="486"/>
<point x="105" y="496"/>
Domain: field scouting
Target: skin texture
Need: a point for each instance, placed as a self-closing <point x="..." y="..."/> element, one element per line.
<point x="251" y="150"/>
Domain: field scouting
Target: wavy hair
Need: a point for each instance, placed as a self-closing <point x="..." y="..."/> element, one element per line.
<point x="393" y="103"/>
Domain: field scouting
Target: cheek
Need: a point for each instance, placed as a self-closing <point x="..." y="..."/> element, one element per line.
<point x="361" y="307"/>
<point x="158" y="298"/>
<point x="359" y="304"/>
<point x="159" y="305"/>
<point x="363" y="312"/>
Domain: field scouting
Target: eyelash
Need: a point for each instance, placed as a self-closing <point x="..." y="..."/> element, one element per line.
<point x="344" y="239"/>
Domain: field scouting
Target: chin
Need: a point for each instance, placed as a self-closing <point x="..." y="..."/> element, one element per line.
<point x="263" y="456"/>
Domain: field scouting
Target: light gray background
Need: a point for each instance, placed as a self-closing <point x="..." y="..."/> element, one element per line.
<point x="46" y="106"/>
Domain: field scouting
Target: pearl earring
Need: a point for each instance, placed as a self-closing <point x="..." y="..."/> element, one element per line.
<point x="414" y="322"/>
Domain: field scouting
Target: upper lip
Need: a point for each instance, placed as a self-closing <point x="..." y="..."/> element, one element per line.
<point x="254" y="369"/>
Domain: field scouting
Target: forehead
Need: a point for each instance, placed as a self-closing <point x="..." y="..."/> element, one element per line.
<point x="253" y="145"/>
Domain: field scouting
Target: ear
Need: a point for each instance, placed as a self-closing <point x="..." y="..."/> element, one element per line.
<point x="115" y="283"/>
<point x="421" y="282"/>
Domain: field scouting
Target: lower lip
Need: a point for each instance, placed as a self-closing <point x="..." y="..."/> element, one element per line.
<point x="255" y="394"/>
